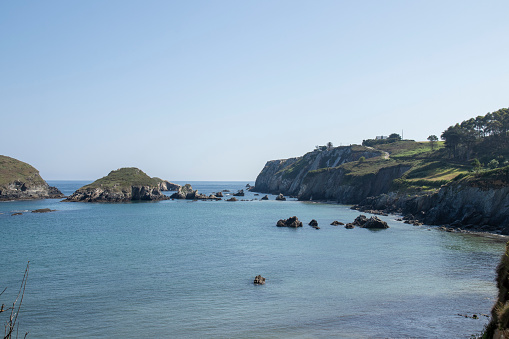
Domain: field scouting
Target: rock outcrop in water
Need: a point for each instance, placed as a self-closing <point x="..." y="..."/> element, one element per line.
<point x="290" y="222"/>
<point x="21" y="181"/>
<point x="122" y="185"/>
<point x="185" y="192"/>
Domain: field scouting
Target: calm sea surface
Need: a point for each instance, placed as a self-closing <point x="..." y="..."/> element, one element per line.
<point x="182" y="269"/>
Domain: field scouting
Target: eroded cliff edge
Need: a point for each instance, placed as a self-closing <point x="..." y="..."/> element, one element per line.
<point x="343" y="174"/>
<point x="21" y="181"/>
<point x="479" y="201"/>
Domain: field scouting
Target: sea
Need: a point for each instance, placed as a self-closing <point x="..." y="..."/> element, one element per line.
<point x="185" y="269"/>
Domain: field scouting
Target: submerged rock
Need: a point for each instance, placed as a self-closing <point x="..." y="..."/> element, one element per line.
<point x="232" y="199"/>
<point x="336" y="223"/>
<point x="43" y="210"/>
<point x="265" y="198"/>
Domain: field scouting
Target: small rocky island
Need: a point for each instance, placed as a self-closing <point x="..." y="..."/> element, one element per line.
<point x="123" y="185"/>
<point x="21" y="181"/>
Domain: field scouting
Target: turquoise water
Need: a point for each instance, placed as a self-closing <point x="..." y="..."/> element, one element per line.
<point x="185" y="269"/>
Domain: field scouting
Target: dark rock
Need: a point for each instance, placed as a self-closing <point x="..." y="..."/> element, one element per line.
<point x="336" y="223"/>
<point x="349" y="226"/>
<point x="43" y="210"/>
<point x="16" y="214"/>
<point x="240" y="193"/>
<point x="259" y="280"/>
<point x="313" y="222"/>
<point x="219" y="194"/>
<point x="290" y="222"/>
<point x="375" y="222"/>
<point x="281" y="197"/>
<point x="232" y="199"/>
<point x="265" y="198"/>
<point x="360" y="220"/>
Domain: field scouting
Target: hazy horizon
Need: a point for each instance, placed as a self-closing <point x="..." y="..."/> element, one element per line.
<point x="204" y="90"/>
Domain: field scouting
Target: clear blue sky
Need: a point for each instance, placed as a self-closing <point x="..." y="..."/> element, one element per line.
<point x="211" y="90"/>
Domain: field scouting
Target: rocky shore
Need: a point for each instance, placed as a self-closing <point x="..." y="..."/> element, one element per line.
<point x="463" y="205"/>
<point x="21" y="181"/>
<point x="122" y="185"/>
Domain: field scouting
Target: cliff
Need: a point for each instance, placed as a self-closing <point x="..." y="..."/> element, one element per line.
<point x="476" y="202"/>
<point x="21" y="181"/>
<point x="122" y="185"/>
<point x="498" y="328"/>
<point x="345" y="174"/>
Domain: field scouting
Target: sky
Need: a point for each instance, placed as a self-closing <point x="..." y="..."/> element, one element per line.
<point x="212" y="90"/>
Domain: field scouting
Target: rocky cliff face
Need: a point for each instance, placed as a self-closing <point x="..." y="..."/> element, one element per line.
<point x="318" y="176"/>
<point x="460" y="204"/>
<point x="20" y="181"/>
<point x="165" y="185"/>
<point x="334" y="184"/>
<point x="100" y="194"/>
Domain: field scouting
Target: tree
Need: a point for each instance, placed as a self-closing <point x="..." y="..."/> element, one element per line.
<point x="361" y="160"/>
<point x="329" y="146"/>
<point x="395" y="136"/>
<point x="493" y="164"/>
<point x="476" y="164"/>
<point x="432" y="141"/>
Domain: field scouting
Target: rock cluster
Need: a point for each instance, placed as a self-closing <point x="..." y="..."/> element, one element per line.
<point x="373" y="222"/>
<point x="185" y="192"/>
<point x="290" y="222"/>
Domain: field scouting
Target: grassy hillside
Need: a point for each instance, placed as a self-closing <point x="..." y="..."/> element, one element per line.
<point x="124" y="178"/>
<point x="12" y="170"/>
<point x="429" y="168"/>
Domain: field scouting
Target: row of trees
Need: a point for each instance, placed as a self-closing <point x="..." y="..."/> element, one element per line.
<point x="462" y="139"/>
